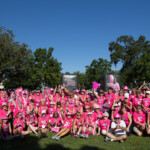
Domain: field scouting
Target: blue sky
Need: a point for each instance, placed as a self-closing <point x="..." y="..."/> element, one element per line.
<point x="79" y="30"/>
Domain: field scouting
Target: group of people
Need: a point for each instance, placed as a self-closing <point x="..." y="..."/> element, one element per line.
<point x="114" y="114"/>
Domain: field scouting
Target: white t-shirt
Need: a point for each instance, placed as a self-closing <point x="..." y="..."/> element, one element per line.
<point x="121" y="124"/>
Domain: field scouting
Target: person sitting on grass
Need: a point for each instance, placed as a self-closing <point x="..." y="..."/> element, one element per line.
<point x="104" y="124"/>
<point x="126" y="117"/>
<point x="77" y="124"/>
<point x="67" y="125"/>
<point x="32" y="123"/>
<point x="88" y="126"/>
<point x="118" y="130"/>
<point x="5" y="130"/>
<point x="139" y="120"/>
<point x="55" y="122"/>
<point x="43" y="124"/>
<point x="18" y="126"/>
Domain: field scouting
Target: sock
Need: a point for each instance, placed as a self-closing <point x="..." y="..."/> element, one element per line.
<point x="83" y="133"/>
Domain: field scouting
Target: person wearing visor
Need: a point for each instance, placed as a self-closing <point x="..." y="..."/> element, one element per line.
<point x="118" y="130"/>
<point x="104" y="124"/>
<point x="88" y="126"/>
<point x="43" y="125"/>
<point x="127" y="103"/>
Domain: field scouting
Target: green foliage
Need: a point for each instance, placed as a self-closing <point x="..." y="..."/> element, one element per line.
<point x="20" y="67"/>
<point x="97" y="69"/>
<point x="46" y="69"/>
<point x="82" y="80"/>
<point x="135" y="56"/>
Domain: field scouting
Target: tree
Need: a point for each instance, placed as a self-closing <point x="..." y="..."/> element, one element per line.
<point x="97" y="69"/>
<point x="13" y="59"/>
<point x="82" y="80"/>
<point x="47" y="70"/>
<point x="135" y="57"/>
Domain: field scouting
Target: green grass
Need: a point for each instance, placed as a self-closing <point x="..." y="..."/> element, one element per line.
<point x="31" y="142"/>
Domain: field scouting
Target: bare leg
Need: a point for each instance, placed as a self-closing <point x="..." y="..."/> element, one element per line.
<point x="65" y="132"/>
<point x="61" y="131"/>
<point x="33" y="129"/>
<point x="75" y="129"/>
<point x="110" y="135"/>
<point x="122" y="137"/>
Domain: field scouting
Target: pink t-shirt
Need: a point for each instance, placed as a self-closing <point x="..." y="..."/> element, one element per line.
<point x="55" y="121"/>
<point x="137" y="101"/>
<point x="19" y="124"/>
<point x="103" y="124"/>
<point x="67" y="123"/>
<point x="43" y="122"/>
<point x="131" y="97"/>
<point x="51" y="112"/>
<point x="97" y="116"/>
<point x="110" y="98"/>
<point x="3" y="100"/>
<point x="23" y="111"/>
<point x="146" y="102"/>
<point x="125" y="118"/>
<point x="5" y="129"/>
<point x="139" y="117"/>
<point x="32" y="120"/>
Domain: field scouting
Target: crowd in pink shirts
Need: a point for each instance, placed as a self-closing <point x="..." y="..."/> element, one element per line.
<point x="81" y="113"/>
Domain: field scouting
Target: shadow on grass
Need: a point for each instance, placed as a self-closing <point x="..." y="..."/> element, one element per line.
<point x="35" y="143"/>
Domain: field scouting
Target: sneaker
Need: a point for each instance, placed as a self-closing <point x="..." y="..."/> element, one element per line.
<point x="82" y="136"/>
<point x="86" y="136"/>
<point x="57" y="138"/>
<point x="77" y="135"/>
<point x="54" y="137"/>
<point x="108" y="139"/>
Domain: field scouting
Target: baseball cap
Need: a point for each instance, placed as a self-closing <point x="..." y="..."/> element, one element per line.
<point x="116" y="105"/>
<point x="147" y="92"/>
<point x="125" y="88"/>
<point x="4" y="104"/>
<point x="117" y="116"/>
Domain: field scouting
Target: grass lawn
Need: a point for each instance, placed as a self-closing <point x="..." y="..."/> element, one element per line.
<point x="31" y="142"/>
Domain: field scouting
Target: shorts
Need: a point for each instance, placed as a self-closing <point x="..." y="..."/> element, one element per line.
<point x="136" y="129"/>
<point x="104" y="132"/>
<point x="117" y="135"/>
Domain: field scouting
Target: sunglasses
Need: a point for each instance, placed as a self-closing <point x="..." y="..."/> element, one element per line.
<point x="117" y="118"/>
<point x="105" y="116"/>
